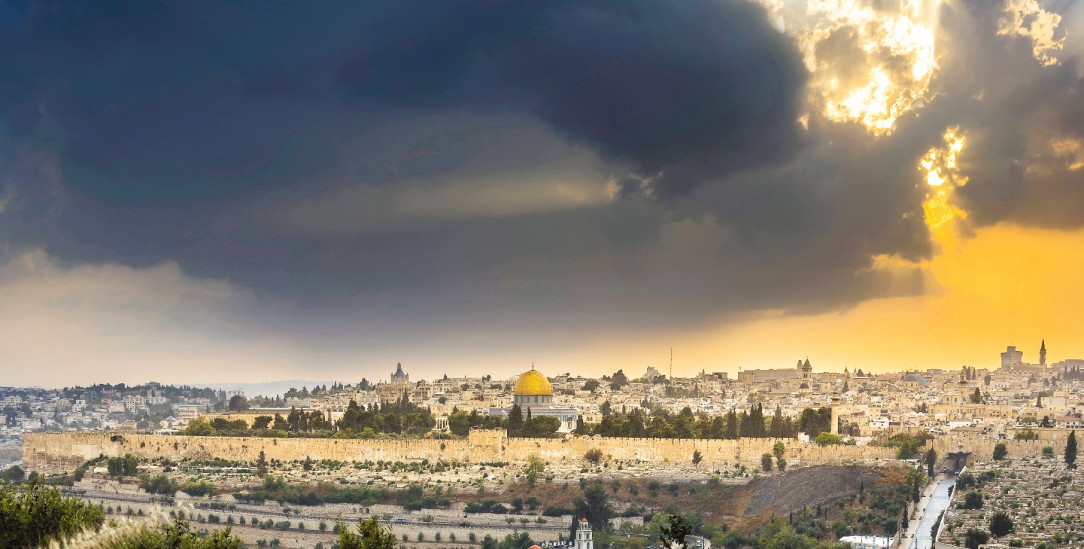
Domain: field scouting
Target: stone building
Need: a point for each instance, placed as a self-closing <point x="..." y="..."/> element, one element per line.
<point x="534" y="395"/>
<point x="397" y="386"/>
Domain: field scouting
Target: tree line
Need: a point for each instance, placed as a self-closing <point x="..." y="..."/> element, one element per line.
<point x="396" y="418"/>
<point x="405" y="418"/>
<point x="659" y="423"/>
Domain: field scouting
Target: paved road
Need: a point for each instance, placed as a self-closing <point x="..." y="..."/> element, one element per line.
<point x="934" y="500"/>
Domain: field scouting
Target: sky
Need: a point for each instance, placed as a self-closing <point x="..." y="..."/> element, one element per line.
<point x="209" y="192"/>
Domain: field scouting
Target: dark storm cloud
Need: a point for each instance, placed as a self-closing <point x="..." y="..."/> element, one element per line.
<point x="1014" y="111"/>
<point x="168" y="130"/>
<point x="167" y="103"/>
<point x="686" y="91"/>
<point x="215" y="136"/>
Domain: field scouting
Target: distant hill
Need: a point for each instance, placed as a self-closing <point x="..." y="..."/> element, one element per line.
<point x="267" y="388"/>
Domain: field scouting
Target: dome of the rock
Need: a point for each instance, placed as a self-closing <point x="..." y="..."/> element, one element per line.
<point x="532" y="383"/>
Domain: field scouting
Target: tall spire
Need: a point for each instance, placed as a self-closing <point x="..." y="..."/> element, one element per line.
<point x="1042" y="354"/>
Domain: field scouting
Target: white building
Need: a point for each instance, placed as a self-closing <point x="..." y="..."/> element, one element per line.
<point x="584" y="538"/>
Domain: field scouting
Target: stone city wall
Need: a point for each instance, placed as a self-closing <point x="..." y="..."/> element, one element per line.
<point x="54" y="453"/>
<point x="982" y="447"/>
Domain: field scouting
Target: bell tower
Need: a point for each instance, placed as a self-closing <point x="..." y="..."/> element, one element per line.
<point x="583" y="536"/>
<point x="1042" y="354"/>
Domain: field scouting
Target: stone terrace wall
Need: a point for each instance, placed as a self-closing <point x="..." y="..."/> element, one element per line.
<point x="54" y="453"/>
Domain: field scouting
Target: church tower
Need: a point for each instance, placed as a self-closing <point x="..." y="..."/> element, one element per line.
<point x="583" y="536"/>
<point x="1042" y="354"/>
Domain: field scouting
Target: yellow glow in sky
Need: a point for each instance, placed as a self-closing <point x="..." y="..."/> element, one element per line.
<point x="1005" y="286"/>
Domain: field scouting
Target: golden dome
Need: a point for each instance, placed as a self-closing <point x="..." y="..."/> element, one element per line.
<point x="532" y="383"/>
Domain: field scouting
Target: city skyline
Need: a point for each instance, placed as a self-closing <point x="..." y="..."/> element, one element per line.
<point x="200" y="193"/>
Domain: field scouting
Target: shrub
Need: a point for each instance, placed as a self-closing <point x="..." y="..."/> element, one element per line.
<point x="36" y="515"/>
<point x="973" y="500"/>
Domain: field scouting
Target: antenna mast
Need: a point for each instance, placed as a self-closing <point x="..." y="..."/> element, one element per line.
<point x="671" y="364"/>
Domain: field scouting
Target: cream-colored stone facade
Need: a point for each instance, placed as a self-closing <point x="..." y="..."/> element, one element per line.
<point x="54" y="453"/>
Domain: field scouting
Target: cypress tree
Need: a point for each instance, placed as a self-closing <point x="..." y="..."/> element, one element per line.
<point x="1070" y="450"/>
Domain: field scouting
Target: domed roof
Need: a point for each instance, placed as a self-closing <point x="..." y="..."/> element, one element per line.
<point x="532" y="383"/>
<point x="916" y="378"/>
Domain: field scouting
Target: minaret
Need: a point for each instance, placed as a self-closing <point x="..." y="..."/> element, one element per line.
<point x="584" y="539"/>
<point x="1042" y="354"/>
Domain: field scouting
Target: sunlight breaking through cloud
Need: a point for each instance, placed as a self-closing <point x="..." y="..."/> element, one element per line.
<point x="942" y="174"/>
<point x="1026" y="18"/>
<point x="870" y="62"/>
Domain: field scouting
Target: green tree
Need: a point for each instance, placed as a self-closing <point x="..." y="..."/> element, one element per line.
<point x="973" y="500"/>
<point x="976" y="397"/>
<point x="1026" y="434"/>
<point x="593" y="505"/>
<point x="1070" y="450"/>
<point x="1000" y="524"/>
<point x="673" y="531"/>
<point x="261" y="465"/>
<point x="731" y="431"/>
<point x="535" y="467"/>
<point x="12" y="475"/>
<point x="238" y="402"/>
<point x="697" y="457"/>
<point x="35" y="515"/>
<point x="370" y="535"/>
<point x="539" y="426"/>
<point x="828" y="439"/>
<point x="515" y="420"/>
<point x="779" y="450"/>
<point x="122" y="466"/>
<point x="619" y="380"/>
<point x="931" y="461"/>
<point x="159" y="484"/>
<point x="975" y="537"/>
<point x="766" y="462"/>
<point x="1000" y="451"/>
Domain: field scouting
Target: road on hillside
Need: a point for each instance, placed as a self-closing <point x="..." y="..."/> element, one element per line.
<point x="934" y="501"/>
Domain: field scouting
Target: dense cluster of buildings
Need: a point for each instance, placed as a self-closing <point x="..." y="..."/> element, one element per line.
<point x="970" y="399"/>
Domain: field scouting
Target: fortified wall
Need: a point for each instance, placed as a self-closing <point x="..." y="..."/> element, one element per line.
<point x="55" y="453"/>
